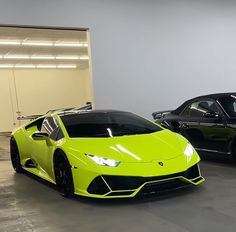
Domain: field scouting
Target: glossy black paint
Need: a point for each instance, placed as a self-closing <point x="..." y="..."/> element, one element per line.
<point x="204" y="122"/>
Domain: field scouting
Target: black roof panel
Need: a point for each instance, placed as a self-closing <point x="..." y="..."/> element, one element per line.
<point x="214" y="96"/>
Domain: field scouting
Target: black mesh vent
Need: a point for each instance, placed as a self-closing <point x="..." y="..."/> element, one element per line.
<point x="163" y="186"/>
<point x="192" y="172"/>
<point x="123" y="182"/>
<point x="97" y="186"/>
<point x="132" y="182"/>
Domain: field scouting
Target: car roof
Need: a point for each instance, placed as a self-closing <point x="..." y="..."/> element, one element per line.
<point x="77" y="111"/>
<point x="214" y="96"/>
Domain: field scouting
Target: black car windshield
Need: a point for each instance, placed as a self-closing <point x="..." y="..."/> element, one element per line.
<point x="106" y="124"/>
<point x="229" y="105"/>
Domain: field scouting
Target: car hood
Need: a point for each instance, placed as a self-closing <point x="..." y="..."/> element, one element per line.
<point x="162" y="145"/>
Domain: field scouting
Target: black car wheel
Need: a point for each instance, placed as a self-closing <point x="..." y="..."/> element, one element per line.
<point x="15" y="156"/>
<point x="63" y="175"/>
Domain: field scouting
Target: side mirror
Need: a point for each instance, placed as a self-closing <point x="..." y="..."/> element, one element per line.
<point x="40" y="136"/>
<point x="211" y="115"/>
<point x="156" y="115"/>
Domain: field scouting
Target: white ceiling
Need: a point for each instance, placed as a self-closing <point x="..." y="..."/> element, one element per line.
<point x="50" y="35"/>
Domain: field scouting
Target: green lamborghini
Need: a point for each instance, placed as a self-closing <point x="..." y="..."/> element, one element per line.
<point x="104" y="154"/>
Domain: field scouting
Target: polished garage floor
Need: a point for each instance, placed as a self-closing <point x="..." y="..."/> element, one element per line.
<point x="27" y="204"/>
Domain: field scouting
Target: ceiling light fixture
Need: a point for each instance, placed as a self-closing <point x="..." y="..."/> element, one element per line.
<point x="43" y="43"/>
<point x="65" y="44"/>
<point x="46" y="66"/>
<point x="84" y="58"/>
<point x="36" y="43"/>
<point x="10" y="42"/>
<point x="42" y="57"/>
<point x="66" y="66"/>
<point x="6" y="65"/>
<point x="67" y="57"/>
<point x="39" y="66"/>
<point x="24" y="66"/>
<point x="16" y="57"/>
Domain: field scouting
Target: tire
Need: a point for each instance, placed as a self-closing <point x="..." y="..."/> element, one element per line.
<point x="63" y="175"/>
<point x="15" y="156"/>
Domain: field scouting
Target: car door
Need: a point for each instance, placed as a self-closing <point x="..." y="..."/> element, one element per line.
<point x="189" y="123"/>
<point x="212" y="125"/>
<point x="42" y="150"/>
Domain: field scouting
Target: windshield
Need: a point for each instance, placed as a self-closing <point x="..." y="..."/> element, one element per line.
<point x="106" y="124"/>
<point x="229" y="105"/>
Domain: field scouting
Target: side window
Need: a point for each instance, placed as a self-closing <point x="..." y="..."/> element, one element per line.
<point x="51" y="126"/>
<point x="198" y="108"/>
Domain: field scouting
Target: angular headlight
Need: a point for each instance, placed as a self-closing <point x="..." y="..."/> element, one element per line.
<point x="103" y="161"/>
<point x="189" y="150"/>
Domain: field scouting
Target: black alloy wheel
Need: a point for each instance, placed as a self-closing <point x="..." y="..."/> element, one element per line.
<point x="15" y="156"/>
<point x="63" y="175"/>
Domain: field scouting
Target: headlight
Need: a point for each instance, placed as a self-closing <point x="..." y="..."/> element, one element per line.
<point x="189" y="150"/>
<point x="103" y="161"/>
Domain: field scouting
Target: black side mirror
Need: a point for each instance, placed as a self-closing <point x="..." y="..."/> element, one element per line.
<point x="211" y="115"/>
<point x="40" y="136"/>
<point x="157" y="115"/>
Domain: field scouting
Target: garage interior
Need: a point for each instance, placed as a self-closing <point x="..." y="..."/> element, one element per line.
<point x="37" y="62"/>
<point x="140" y="56"/>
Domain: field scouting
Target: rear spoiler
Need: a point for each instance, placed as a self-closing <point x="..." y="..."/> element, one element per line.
<point x="88" y="106"/>
<point x="160" y="114"/>
<point x="30" y="117"/>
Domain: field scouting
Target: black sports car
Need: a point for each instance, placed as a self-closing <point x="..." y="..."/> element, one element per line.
<point x="208" y="122"/>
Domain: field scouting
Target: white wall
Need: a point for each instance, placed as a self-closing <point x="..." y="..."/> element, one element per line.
<point x="147" y="55"/>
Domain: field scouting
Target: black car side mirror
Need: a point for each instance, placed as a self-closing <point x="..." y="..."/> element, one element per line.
<point x="211" y="115"/>
<point x="40" y="136"/>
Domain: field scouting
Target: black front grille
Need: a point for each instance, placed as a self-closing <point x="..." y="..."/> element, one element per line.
<point x="163" y="186"/>
<point x="123" y="182"/>
<point x="98" y="186"/>
<point x="134" y="182"/>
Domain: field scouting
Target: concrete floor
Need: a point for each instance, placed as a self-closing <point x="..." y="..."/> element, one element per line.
<point x="27" y="204"/>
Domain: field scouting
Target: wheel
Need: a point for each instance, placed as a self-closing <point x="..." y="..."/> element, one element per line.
<point x="63" y="175"/>
<point x="15" y="156"/>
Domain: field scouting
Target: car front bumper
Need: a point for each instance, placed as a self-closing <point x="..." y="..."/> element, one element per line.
<point x="123" y="186"/>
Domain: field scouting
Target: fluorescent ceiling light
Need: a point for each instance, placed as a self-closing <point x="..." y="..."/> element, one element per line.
<point x="40" y="66"/>
<point x="24" y="66"/>
<point x="10" y="42"/>
<point x="37" y="43"/>
<point x="43" y="43"/>
<point x="67" y="44"/>
<point x="16" y="57"/>
<point x="66" y="66"/>
<point x="83" y="58"/>
<point x="46" y="66"/>
<point x="6" y="65"/>
<point x="42" y="57"/>
<point x="67" y="57"/>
